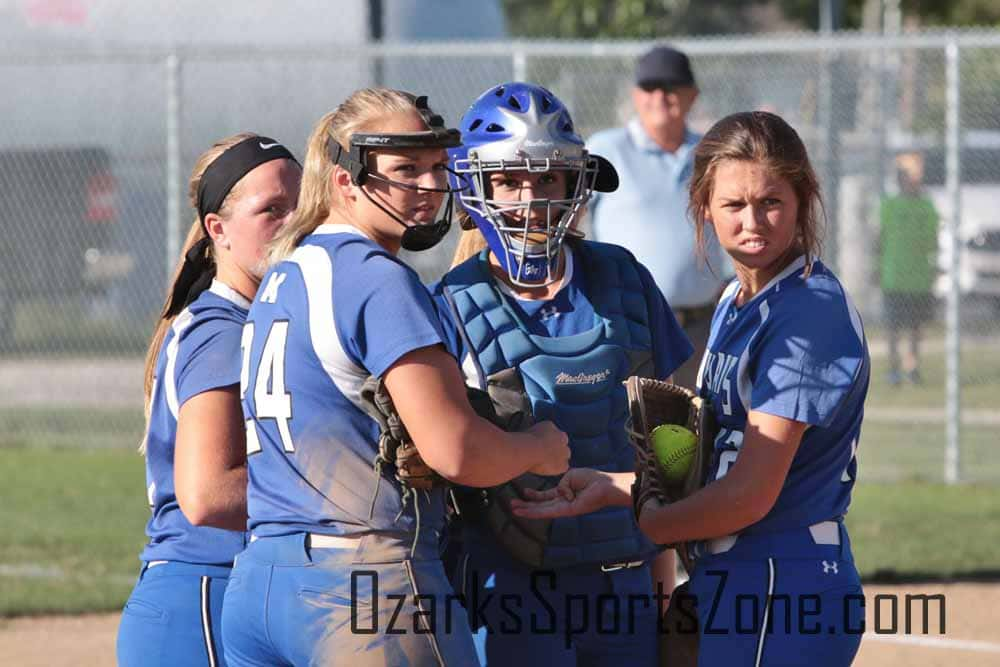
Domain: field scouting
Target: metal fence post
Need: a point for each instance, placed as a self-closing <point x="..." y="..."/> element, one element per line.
<point x="519" y="64"/>
<point x="173" y="162"/>
<point x="953" y="184"/>
<point x="827" y="137"/>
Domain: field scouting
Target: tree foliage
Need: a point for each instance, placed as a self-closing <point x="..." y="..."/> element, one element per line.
<point x="645" y="19"/>
<point x="961" y="13"/>
<point x="621" y="19"/>
<point x="939" y="13"/>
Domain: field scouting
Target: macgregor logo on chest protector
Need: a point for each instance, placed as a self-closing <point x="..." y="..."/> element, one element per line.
<point x="583" y="378"/>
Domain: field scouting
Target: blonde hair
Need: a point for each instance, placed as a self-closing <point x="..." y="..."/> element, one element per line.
<point x="195" y="234"/>
<point x="317" y="198"/>
<point x="764" y="138"/>
<point x="470" y="243"/>
<point x="911" y="165"/>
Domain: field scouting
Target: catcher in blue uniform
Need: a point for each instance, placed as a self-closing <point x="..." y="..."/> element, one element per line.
<point x="550" y="325"/>
<point x="786" y="374"/>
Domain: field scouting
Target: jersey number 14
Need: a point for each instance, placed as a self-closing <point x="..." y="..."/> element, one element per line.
<point x="270" y="399"/>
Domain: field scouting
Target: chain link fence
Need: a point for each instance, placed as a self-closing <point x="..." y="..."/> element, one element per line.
<point x="96" y="148"/>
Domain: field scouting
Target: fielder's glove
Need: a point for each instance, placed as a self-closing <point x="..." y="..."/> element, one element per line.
<point x="395" y="447"/>
<point x="652" y="403"/>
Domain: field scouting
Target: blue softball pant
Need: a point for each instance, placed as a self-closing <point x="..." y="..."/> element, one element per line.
<point x="790" y="598"/>
<point x="292" y="603"/>
<point x="574" y="617"/>
<point x="174" y="616"/>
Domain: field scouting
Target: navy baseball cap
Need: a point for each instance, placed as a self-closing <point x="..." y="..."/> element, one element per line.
<point x="664" y="66"/>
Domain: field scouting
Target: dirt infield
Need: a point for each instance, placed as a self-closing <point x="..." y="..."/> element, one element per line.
<point x="59" y="641"/>
<point x="971" y="638"/>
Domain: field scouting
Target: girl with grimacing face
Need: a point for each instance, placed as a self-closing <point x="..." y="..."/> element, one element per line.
<point x="786" y="373"/>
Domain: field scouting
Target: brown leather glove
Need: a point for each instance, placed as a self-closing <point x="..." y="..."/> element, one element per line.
<point x="395" y="446"/>
<point x="652" y="403"/>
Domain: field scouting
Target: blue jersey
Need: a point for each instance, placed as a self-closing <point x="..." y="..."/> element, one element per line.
<point x="570" y="312"/>
<point x="796" y="350"/>
<point x="338" y="310"/>
<point x="200" y="352"/>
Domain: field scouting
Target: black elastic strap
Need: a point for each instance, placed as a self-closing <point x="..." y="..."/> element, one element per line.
<point x="352" y="160"/>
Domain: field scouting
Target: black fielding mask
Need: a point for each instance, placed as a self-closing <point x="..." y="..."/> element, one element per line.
<point x="355" y="160"/>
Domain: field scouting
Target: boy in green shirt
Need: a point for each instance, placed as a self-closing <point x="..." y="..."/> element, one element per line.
<point x="907" y="263"/>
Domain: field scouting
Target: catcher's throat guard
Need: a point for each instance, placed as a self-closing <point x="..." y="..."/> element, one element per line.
<point x="651" y="404"/>
<point x="355" y="160"/>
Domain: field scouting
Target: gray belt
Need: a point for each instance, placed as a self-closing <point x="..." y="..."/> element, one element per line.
<point x="320" y="541"/>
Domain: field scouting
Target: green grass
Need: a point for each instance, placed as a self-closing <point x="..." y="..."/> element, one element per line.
<point x="979" y="378"/>
<point x="74" y="506"/>
<point x="72" y="427"/>
<point x="925" y="531"/>
<point x="889" y="450"/>
<point x="73" y="527"/>
<point x="910" y="451"/>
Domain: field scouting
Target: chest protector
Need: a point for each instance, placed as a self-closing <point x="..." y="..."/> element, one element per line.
<point x="574" y="381"/>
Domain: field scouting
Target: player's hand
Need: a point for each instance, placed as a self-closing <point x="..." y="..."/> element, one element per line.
<point x="554" y="449"/>
<point x="580" y="491"/>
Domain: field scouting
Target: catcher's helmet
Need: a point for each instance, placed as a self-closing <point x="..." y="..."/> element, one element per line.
<point x="524" y="127"/>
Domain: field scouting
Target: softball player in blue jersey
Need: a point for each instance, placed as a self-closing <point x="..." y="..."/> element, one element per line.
<point x="561" y="322"/>
<point x="243" y="189"/>
<point x="786" y="373"/>
<point x="343" y="566"/>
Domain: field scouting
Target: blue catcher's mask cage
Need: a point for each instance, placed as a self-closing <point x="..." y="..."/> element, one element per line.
<point x="524" y="127"/>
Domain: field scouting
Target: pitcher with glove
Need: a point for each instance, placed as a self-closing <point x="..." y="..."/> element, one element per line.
<point x="785" y="375"/>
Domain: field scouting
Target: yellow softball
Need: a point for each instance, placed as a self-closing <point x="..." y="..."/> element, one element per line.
<point x="674" y="447"/>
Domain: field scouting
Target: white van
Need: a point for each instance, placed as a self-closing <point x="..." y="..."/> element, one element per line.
<point x="979" y="234"/>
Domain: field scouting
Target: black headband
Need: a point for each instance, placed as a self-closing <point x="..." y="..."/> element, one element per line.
<point x="235" y="163"/>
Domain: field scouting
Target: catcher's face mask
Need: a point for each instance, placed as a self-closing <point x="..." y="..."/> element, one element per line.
<point x="513" y="129"/>
<point x="357" y="161"/>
